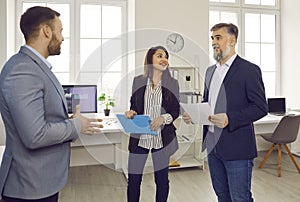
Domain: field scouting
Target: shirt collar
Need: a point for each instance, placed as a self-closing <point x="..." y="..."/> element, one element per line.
<point x="229" y="62"/>
<point x="39" y="55"/>
<point x="149" y="82"/>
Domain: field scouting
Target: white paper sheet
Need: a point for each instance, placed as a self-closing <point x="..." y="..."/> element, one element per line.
<point x="199" y="112"/>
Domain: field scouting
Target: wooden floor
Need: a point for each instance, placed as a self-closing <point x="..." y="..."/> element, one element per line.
<point x="103" y="184"/>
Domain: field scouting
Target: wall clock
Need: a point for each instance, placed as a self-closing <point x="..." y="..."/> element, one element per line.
<point x="175" y="42"/>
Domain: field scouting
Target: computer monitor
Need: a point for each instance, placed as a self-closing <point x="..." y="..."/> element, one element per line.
<point x="84" y="95"/>
<point x="276" y="105"/>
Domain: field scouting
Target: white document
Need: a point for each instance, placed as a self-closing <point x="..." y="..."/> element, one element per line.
<point x="199" y="112"/>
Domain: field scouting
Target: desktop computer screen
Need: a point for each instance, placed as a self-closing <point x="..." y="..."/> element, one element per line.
<point x="84" y="95"/>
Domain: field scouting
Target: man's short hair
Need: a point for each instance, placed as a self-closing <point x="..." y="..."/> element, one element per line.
<point x="33" y="18"/>
<point x="230" y="28"/>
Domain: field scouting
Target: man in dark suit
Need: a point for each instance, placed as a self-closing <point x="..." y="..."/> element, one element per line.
<point x="235" y="91"/>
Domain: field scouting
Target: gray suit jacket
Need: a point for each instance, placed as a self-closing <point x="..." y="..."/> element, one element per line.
<point x="38" y="132"/>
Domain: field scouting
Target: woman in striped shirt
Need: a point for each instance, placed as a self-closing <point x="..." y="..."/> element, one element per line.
<point x="156" y="94"/>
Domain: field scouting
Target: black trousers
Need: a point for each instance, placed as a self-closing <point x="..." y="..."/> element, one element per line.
<point x="53" y="198"/>
<point x="136" y="163"/>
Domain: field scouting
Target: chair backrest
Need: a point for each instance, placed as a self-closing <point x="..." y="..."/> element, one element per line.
<point x="286" y="130"/>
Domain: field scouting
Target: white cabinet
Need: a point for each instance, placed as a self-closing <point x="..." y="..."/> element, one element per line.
<point x="101" y="148"/>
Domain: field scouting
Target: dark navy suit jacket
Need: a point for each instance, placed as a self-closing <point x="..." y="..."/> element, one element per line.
<point x="242" y="98"/>
<point x="170" y="104"/>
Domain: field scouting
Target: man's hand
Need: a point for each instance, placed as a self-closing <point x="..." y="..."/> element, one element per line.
<point x="220" y="120"/>
<point x="186" y="118"/>
<point x="89" y="126"/>
<point x="130" y="114"/>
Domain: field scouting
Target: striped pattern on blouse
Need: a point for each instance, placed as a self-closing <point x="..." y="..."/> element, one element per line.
<point x="152" y="107"/>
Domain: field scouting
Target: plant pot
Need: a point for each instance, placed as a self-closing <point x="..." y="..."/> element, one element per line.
<point x="106" y="112"/>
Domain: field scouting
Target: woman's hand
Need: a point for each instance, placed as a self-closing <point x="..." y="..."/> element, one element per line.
<point x="130" y="114"/>
<point x="157" y="122"/>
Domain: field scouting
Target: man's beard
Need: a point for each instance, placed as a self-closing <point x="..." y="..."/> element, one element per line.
<point x="221" y="55"/>
<point x="54" y="46"/>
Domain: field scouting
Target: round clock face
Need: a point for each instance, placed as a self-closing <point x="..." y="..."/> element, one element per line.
<point x="175" y="42"/>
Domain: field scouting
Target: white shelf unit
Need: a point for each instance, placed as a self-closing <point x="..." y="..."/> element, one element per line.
<point x="190" y="141"/>
<point x="189" y="135"/>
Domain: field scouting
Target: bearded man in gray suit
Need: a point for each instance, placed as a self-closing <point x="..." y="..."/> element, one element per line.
<point x="34" y="111"/>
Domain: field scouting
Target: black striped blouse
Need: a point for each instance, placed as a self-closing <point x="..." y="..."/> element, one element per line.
<point x="152" y="107"/>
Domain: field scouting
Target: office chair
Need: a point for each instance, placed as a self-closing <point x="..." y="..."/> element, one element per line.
<point x="286" y="132"/>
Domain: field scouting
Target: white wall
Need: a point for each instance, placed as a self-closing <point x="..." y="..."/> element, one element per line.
<point x="161" y="17"/>
<point x="7" y="30"/>
<point x="7" y="41"/>
<point x="3" y="53"/>
<point x="191" y="20"/>
<point x="290" y="41"/>
<point x="3" y="34"/>
<point x="156" y="19"/>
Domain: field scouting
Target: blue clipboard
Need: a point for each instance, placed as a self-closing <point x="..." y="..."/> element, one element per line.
<point x="140" y="124"/>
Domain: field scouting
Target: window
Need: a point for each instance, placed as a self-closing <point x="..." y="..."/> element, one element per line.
<point x="223" y="1"/>
<point x="222" y="15"/>
<point x="259" y="40"/>
<point x="61" y="63"/>
<point x="93" y="48"/>
<point x="261" y="2"/>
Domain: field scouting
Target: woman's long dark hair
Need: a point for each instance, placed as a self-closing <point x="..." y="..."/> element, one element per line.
<point x="166" y="76"/>
<point x="148" y="64"/>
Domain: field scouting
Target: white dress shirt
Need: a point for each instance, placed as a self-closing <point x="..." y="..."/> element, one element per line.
<point x="216" y="82"/>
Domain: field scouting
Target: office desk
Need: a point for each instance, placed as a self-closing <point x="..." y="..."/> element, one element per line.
<point x="266" y="124"/>
<point x="110" y="146"/>
<point x="100" y="148"/>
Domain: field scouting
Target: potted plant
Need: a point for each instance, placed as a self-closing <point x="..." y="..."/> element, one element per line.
<point x="107" y="101"/>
